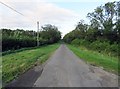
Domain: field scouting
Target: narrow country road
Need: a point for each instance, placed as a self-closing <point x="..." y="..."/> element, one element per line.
<point x="65" y="69"/>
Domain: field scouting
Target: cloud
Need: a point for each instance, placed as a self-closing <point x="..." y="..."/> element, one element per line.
<point x="33" y="11"/>
<point x="46" y="12"/>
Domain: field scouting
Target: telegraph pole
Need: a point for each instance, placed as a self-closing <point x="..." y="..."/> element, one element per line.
<point x="37" y="33"/>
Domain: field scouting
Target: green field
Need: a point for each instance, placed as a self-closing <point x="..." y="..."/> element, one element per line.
<point x="17" y="63"/>
<point x="97" y="59"/>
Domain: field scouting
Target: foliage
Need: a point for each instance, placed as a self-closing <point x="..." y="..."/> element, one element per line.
<point x="16" y="39"/>
<point x="50" y="33"/>
<point x="103" y="32"/>
<point x="75" y="42"/>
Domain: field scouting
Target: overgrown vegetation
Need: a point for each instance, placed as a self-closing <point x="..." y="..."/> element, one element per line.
<point x="99" y="42"/>
<point x="20" y="51"/>
<point x="103" y="47"/>
<point x="16" y="39"/>
<point x="17" y="63"/>
<point x="103" y="32"/>
<point x="97" y="59"/>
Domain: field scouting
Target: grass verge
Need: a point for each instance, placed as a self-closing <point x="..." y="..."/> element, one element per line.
<point x="17" y="63"/>
<point x="108" y="63"/>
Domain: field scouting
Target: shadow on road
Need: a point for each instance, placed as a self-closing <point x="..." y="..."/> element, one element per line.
<point x="27" y="79"/>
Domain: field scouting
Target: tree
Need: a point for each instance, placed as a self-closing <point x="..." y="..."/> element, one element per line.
<point x="103" y="20"/>
<point x="16" y="39"/>
<point x="50" y="33"/>
<point x="103" y="33"/>
<point x="103" y="16"/>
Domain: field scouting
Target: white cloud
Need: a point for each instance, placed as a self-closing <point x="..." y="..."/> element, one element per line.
<point x="43" y="11"/>
<point x="35" y="10"/>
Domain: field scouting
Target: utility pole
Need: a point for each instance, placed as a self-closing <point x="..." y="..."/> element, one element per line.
<point x="37" y="33"/>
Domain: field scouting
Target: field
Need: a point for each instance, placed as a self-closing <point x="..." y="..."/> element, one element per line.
<point x="97" y="59"/>
<point x="14" y="64"/>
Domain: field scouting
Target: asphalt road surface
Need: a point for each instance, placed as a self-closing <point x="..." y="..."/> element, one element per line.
<point x="65" y="69"/>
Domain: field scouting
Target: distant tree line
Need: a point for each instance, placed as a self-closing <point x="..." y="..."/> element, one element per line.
<point x="16" y="39"/>
<point x="103" y="32"/>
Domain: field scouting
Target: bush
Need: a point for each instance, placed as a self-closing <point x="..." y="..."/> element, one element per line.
<point x="13" y="44"/>
<point x="113" y="49"/>
<point x="105" y="46"/>
<point x="84" y="43"/>
<point x="99" y="46"/>
<point x="76" y="42"/>
<point x="16" y="39"/>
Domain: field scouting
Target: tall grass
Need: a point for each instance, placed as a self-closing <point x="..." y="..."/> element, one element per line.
<point x="17" y="63"/>
<point x="97" y="59"/>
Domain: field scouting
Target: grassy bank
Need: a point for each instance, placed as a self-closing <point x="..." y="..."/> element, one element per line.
<point x="97" y="59"/>
<point x="17" y="63"/>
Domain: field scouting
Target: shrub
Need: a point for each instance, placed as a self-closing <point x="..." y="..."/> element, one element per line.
<point x="84" y="43"/>
<point x="76" y="42"/>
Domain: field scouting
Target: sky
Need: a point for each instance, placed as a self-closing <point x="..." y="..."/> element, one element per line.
<point x="65" y="14"/>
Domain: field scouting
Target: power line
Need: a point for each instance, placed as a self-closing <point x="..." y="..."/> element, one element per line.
<point x="11" y="8"/>
<point x="15" y="11"/>
<point x="24" y="16"/>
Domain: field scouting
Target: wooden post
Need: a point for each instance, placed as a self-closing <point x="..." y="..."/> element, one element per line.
<point x="37" y="33"/>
